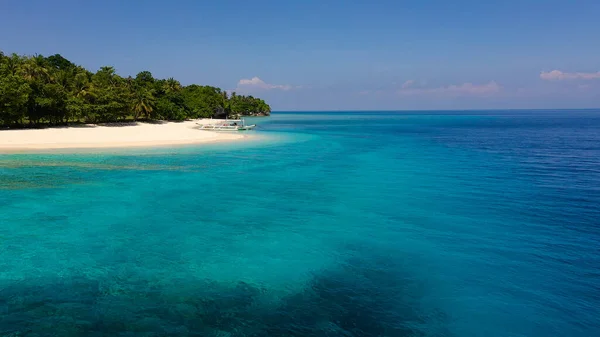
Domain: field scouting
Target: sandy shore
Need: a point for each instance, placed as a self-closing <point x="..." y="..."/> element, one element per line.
<point x="94" y="136"/>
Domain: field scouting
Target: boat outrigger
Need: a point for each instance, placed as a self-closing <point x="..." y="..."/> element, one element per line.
<point x="226" y="125"/>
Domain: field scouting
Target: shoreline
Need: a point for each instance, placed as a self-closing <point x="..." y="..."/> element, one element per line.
<point x="139" y="134"/>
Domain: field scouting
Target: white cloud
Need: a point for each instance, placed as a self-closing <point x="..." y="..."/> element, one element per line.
<point x="557" y="75"/>
<point x="408" y="84"/>
<point x="465" y="89"/>
<point x="257" y="83"/>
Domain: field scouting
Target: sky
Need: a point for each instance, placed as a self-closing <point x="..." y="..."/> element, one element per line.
<point x="334" y="54"/>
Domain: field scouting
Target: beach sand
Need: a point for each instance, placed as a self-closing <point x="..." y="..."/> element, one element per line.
<point x="114" y="136"/>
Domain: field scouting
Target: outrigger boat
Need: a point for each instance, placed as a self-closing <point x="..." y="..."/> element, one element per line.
<point x="227" y="125"/>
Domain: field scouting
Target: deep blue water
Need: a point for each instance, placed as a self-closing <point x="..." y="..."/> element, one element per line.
<point x="330" y="224"/>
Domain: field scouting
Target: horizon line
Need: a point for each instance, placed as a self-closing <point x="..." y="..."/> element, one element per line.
<point x="429" y="110"/>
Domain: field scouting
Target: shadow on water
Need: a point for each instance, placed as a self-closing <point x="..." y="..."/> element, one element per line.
<point x="356" y="299"/>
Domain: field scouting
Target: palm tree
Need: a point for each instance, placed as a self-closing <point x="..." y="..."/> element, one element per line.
<point x="143" y="103"/>
<point x="13" y="63"/>
<point x="82" y="86"/>
<point x="227" y="102"/>
<point x="65" y="77"/>
<point x="33" y="69"/>
<point x="171" y="85"/>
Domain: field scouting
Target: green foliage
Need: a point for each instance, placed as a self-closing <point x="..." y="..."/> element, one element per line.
<point x="109" y="95"/>
<point x="245" y="105"/>
<point x="170" y="108"/>
<point x="14" y="92"/>
<point x="202" y="101"/>
<point x="59" y="62"/>
<point x="54" y="90"/>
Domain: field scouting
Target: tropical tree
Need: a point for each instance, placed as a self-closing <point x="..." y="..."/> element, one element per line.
<point x="58" y="62"/>
<point x="143" y="103"/>
<point x="171" y="85"/>
<point x="80" y="95"/>
<point x="110" y="96"/>
<point x="14" y="91"/>
<point x="169" y="100"/>
<point x="202" y="101"/>
<point x="37" y="89"/>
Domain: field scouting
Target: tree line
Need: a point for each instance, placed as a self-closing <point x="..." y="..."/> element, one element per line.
<point x="52" y="90"/>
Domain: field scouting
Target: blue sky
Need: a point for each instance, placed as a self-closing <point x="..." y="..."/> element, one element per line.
<point x="334" y="54"/>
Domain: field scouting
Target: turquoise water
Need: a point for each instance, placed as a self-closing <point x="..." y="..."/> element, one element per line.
<point x="328" y="224"/>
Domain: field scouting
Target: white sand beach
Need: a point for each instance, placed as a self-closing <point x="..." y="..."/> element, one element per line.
<point x="114" y="136"/>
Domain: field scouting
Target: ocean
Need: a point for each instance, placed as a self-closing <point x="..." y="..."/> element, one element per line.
<point x="438" y="223"/>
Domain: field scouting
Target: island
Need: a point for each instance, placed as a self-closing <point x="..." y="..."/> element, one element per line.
<point x="52" y="90"/>
<point x="50" y="102"/>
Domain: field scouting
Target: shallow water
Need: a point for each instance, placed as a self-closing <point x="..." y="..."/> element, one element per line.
<point x="330" y="224"/>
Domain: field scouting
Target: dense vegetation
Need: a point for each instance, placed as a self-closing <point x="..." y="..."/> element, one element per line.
<point x="53" y="90"/>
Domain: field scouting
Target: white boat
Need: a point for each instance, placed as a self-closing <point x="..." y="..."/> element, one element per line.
<point x="226" y="125"/>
